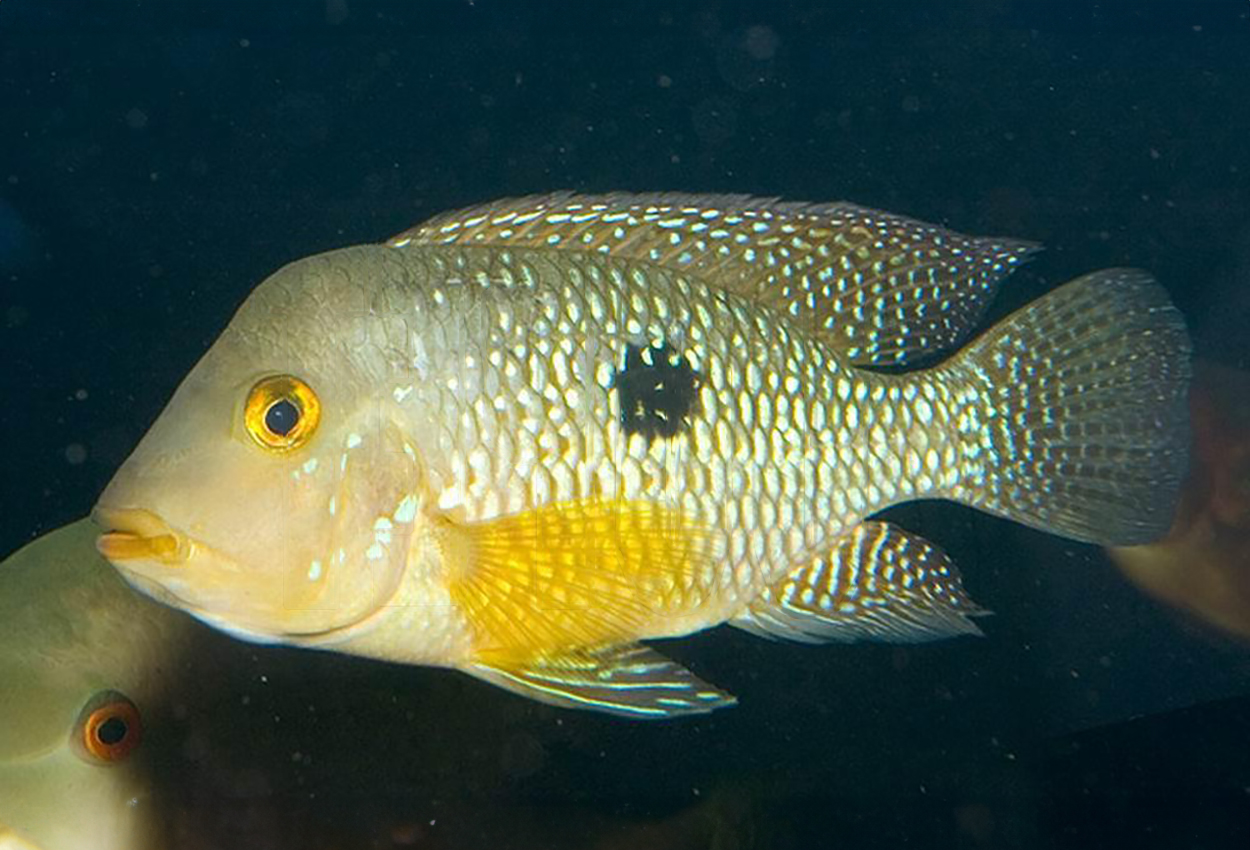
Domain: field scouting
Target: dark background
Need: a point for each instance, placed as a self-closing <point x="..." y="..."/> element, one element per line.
<point x="157" y="159"/>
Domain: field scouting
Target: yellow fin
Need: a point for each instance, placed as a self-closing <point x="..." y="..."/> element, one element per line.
<point x="885" y="289"/>
<point x="575" y="574"/>
<point x="629" y="680"/>
<point x="878" y="582"/>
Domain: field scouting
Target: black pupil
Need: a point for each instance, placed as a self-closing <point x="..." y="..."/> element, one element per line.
<point x="112" y="731"/>
<point x="281" y="417"/>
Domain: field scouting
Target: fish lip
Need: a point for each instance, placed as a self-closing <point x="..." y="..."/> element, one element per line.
<point x="134" y="534"/>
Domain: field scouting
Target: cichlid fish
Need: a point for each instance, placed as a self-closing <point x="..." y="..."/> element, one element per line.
<point x="521" y="438"/>
<point x="83" y="662"/>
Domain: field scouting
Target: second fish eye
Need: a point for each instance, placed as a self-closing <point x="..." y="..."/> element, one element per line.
<point x="109" y="728"/>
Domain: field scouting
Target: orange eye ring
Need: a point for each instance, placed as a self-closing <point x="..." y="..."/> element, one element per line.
<point x="109" y="728"/>
<point x="282" y="413"/>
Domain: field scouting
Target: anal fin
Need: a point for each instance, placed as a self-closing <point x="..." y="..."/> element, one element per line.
<point x="628" y="680"/>
<point x="879" y="582"/>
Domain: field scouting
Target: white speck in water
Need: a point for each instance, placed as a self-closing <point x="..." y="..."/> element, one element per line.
<point x="75" y="453"/>
<point x="353" y="440"/>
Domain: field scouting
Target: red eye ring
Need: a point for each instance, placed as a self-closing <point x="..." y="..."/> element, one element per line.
<point x="109" y="728"/>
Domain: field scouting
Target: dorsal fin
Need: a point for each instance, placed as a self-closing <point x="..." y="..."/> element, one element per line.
<point x="886" y="289"/>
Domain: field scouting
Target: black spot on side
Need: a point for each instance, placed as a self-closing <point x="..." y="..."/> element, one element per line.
<point x="658" y="391"/>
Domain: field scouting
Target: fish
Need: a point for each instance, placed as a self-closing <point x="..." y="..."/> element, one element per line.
<point x="1202" y="566"/>
<point x="83" y="667"/>
<point x="523" y="439"/>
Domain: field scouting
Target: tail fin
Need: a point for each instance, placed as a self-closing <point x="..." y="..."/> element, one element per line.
<point x="1078" y="422"/>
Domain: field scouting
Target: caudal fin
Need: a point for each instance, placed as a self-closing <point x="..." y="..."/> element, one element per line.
<point x="1077" y="423"/>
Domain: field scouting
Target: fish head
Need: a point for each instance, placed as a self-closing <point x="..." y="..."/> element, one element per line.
<point x="72" y="779"/>
<point x="81" y="676"/>
<point x="274" y="496"/>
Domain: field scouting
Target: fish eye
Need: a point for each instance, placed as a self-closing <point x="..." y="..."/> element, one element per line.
<point x="108" y="728"/>
<point x="282" y="413"/>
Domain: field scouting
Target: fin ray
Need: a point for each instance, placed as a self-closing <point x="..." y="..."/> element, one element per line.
<point x="1082" y="396"/>
<point x="629" y="680"/>
<point x="879" y="582"/>
<point x="575" y="574"/>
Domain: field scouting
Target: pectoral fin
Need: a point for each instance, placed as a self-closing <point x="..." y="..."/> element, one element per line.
<point x="878" y="582"/>
<point x="575" y="574"/>
<point x="629" y="680"/>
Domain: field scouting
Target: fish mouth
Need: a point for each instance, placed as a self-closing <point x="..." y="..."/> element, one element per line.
<point x="132" y="534"/>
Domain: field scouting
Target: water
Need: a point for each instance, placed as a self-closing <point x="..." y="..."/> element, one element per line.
<point x="157" y="160"/>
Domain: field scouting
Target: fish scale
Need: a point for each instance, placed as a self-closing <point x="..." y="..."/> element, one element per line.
<point x="747" y="460"/>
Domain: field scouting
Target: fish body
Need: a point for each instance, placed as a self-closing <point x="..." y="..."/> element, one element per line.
<point x="521" y="438"/>
<point x="80" y="668"/>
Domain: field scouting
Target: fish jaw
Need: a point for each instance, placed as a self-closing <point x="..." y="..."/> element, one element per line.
<point x="160" y="561"/>
<point x="176" y="569"/>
